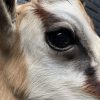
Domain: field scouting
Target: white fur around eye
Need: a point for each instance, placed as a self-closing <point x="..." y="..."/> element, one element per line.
<point x="50" y="77"/>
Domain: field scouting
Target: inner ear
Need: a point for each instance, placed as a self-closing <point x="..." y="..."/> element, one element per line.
<point x="7" y="24"/>
<point x="10" y="5"/>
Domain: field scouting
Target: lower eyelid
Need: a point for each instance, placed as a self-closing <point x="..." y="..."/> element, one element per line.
<point x="70" y="53"/>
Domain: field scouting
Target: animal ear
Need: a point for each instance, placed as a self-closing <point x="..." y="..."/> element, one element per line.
<point x="10" y="6"/>
<point x="7" y="23"/>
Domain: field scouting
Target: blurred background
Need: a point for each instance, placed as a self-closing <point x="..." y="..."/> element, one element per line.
<point x="93" y="9"/>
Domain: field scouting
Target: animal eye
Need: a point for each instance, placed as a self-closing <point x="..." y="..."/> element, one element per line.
<point x="60" y="39"/>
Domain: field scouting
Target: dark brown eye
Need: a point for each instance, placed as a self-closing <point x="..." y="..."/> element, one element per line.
<point x="60" y="39"/>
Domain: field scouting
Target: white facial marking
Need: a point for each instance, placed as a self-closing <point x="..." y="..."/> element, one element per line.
<point x="50" y="76"/>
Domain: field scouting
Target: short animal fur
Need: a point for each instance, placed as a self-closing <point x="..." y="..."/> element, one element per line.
<point x="34" y="66"/>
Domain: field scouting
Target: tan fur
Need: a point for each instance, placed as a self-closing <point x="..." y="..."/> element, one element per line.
<point x="13" y="62"/>
<point x="13" y="74"/>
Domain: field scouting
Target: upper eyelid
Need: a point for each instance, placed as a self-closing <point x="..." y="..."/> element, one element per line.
<point x="59" y="25"/>
<point x="65" y="25"/>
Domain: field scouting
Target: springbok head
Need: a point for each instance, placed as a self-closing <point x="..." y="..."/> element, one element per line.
<point x="48" y="51"/>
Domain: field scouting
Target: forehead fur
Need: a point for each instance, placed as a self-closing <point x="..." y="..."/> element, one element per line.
<point x="52" y="1"/>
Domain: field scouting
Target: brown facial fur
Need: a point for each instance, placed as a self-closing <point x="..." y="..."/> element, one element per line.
<point x="12" y="61"/>
<point x="13" y="74"/>
<point x="13" y="67"/>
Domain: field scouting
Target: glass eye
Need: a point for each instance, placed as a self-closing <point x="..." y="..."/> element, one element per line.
<point x="60" y="39"/>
